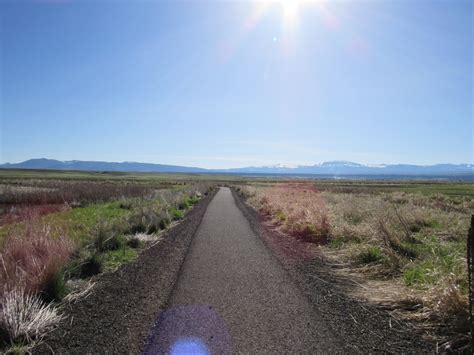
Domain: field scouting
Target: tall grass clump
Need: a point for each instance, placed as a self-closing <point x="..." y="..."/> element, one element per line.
<point x="108" y="237"/>
<point x="33" y="259"/>
<point x="25" y="318"/>
<point x="31" y="276"/>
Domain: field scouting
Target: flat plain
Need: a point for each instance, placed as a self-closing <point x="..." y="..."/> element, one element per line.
<point x="395" y="248"/>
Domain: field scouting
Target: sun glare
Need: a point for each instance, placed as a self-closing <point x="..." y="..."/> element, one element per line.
<point x="291" y="16"/>
<point x="290" y="10"/>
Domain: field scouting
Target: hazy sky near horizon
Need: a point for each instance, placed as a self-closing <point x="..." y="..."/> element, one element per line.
<point x="228" y="84"/>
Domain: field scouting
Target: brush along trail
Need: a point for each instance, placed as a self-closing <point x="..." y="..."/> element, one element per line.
<point x="229" y="295"/>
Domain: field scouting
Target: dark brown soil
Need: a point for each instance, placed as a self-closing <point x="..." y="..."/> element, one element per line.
<point x="117" y="316"/>
<point x="361" y="327"/>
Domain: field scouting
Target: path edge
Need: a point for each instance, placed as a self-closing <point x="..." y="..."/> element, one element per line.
<point x="315" y="280"/>
<point x="161" y="264"/>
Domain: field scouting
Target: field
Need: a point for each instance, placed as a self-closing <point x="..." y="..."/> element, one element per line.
<point x="58" y="230"/>
<point x="405" y="243"/>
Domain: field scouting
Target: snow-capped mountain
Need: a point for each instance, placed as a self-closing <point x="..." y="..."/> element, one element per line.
<point x="351" y="168"/>
<point x="334" y="168"/>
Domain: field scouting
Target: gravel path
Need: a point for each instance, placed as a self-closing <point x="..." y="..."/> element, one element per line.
<point x="234" y="296"/>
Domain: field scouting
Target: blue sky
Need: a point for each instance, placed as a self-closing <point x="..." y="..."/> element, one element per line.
<point x="228" y="84"/>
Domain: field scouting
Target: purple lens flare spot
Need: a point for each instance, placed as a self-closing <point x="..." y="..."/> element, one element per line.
<point x="189" y="346"/>
<point x="189" y="329"/>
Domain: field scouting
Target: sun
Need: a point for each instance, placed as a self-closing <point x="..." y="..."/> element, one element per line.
<point x="290" y="7"/>
<point x="290" y="12"/>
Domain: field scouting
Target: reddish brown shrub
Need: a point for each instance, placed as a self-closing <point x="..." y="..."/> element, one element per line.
<point x="31" y="260"/>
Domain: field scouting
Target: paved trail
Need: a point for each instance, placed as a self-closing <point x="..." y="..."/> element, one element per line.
<point x="233" y="296"/>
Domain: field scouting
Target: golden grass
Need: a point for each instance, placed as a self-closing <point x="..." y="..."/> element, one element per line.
<point x="407" y="250"/>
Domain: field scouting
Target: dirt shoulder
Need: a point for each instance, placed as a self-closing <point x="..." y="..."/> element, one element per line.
<point x="362" y="327"/>
<point x="116" y="317"/>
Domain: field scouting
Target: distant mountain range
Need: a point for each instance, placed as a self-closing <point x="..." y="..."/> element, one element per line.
<point x="51" y="164"/>
<point x="326" y="168"/>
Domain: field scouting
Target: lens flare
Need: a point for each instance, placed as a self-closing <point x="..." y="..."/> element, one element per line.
<point x="291" y="17"/>
<point x="290" y="10"/>
<point x="187" y="346"/>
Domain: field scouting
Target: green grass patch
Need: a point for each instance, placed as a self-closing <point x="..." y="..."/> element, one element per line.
<point x="114" y="259"/>
<point x="176" y="214"/>
<point x="79" y="222"/>
<point x="436" y="261"/>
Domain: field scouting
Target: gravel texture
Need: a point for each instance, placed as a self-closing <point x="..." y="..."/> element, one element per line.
<point x="360" y="327"/>
<point x="117" y="316"/>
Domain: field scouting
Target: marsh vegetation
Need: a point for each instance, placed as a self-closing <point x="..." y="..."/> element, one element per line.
<point x="406" y="240"/>
<point x="55" y="234"/>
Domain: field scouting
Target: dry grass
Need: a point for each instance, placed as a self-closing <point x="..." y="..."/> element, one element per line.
<point x="25" y="318"/>
<point x="298" y="208"/>
<point x="408" y="247"/>
<point x="422" y="250"/>
<point x="31" y="260"/>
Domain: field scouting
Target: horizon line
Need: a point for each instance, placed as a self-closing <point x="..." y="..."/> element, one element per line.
<point x="270" y="165"/>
